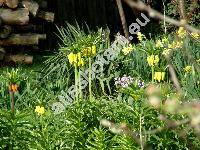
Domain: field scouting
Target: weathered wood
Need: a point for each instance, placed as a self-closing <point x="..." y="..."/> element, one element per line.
<point x="14" y="17"/>
<point x="28" y="28"/>
<point x="2" y="53"/>
<point x="11" y="3"/>
<point x="42" y="36"/>
<point x="32" y="6"/>
<point x="20" y="39"/>
<point x="0" y="21"/>
<point x="5" y="31"/>
<point x="19" y="59"/>
<point x="1" y="2"/>
<point x="48" y="16"/>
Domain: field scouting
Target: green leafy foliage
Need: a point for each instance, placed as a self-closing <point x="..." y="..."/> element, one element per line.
<point x="79" y="125"/>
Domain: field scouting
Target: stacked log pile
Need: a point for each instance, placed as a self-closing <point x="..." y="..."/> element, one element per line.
<point x="21" y="22"/>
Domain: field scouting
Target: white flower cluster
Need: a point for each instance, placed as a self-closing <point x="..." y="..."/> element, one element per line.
<point x="123" y="81"/>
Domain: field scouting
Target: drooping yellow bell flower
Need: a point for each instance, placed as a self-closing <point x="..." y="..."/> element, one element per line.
<point x="94" y="50"/>
<point x="71" y="58"/>
<point x="159" y="76"/>
<point x="156" y="60"/>
<point x="76" y="59"/>
<point x="79" y="55"/>
<point x="153" y="60"/>
<point x="88" y="51"/>
<point x="80" y="62"/>
<point x="150" y="60"/>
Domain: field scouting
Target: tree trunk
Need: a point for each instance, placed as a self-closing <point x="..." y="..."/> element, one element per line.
<point x="14" y="17"/>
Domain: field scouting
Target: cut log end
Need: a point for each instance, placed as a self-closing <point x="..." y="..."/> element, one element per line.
<point x="32" y="6"/>
<point x="19" y="59"/>
<point x="11" y="3"/>
<point x="48" y="16"/>
<point x="22" y="39"/>
<point x="14" y="17"/>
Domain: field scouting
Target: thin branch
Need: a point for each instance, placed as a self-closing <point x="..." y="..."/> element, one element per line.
<point x="123" y="19"/>
<point x="182" y="9"/>
<point x="170" y="125"/>
<point x="122" y="129"/>
<point x="155" y="14"/>
<point x="174" y="77"/>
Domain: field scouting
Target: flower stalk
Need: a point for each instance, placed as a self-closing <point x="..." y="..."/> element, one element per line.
<point x="90" y="78"/>
<point x="76" y="81"/>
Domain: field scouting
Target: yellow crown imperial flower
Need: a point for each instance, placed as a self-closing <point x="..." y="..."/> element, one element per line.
<point x="153" y="60"/>
<point x="150" y="60"/>
<point x="195" y="35"/>
<point x="94" y="50"/>
<point x="159" y="76"/>
<point x="181" y="32"/>
<point x="156" y="60"/>
<point x="159" y="44"/>
<point x="85" y="51"/>
<point x="188" y="69"/>
<point x="79" y="55"/>
<point x="81" y="62"/>
<point x="40" y="110"/>
<point x="71" y="58"/>
<point x="88" y="51"/>
<point x="75" y="59"/>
